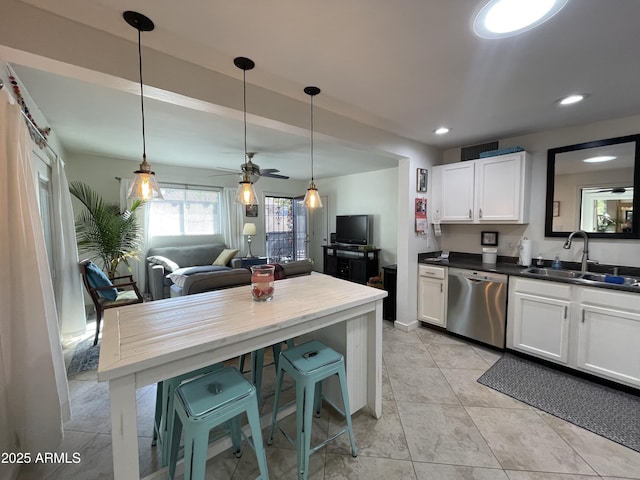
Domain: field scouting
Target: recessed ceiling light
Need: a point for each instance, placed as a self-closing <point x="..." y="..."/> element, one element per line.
<point x="602" y="158"/>
<point x="571" y="99"/>
<point x="504" y="18"/>
<point x="441" y="130"/>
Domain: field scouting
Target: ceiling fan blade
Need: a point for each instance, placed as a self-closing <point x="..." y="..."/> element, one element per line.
<point x="269" y="170"/>
<point x="274" y="175"/>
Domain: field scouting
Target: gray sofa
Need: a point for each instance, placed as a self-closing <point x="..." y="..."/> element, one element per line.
<point x="163" y="261"/>
<point x="207" y="282"/>
<point x="202" y="277"/>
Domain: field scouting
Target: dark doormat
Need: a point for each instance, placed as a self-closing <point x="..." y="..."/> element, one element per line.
<point x="608" y="412"/>
<point x="85" y="357"/>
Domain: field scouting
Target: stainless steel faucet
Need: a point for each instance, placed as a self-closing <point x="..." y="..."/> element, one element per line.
<point x="585" y="251"/>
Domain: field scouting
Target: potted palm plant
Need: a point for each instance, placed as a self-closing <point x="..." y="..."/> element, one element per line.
<point x="105" y="232"/>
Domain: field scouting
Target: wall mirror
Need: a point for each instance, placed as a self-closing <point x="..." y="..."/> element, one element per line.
<point x="595" y="187"/>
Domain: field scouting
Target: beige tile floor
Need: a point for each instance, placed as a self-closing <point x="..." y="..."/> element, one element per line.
<point x="438" y="423"/>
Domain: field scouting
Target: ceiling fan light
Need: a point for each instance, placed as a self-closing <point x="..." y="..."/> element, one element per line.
<point x="312" y="197"/>
<point x="246" y="194"/>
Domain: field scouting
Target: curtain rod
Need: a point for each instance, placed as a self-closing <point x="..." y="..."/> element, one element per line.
<point x="34" y="128"/>
<point x="186" y="185"/>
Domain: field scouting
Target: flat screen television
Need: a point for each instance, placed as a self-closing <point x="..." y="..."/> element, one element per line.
<point x="353" y="229"/>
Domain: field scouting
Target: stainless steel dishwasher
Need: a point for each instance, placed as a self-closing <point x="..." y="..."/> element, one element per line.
<point x="477" y="305"/>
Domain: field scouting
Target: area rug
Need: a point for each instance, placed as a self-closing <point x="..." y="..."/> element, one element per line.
<point x="608" y="412"/>
<point x="85" y="357"/>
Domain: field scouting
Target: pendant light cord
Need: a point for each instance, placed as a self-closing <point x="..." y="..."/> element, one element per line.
<point x="244" y="99"/>
<point x="144" y="147"/>
<point x="312" y="138"/>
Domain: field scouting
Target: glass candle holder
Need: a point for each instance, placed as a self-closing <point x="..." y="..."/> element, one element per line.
<point x="262" y="279"/>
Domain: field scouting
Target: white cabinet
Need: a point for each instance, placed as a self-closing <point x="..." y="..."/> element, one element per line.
<point x="608" y="342"/>
<point x="541" y="312"/>
<point x="490" y="190"/>
<point x="595" y="330"/>
<point x="432" y="294"/>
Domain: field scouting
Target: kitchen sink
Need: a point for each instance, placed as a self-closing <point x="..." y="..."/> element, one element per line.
<point x="550" y="272"/>
<point x="588" y="276"/>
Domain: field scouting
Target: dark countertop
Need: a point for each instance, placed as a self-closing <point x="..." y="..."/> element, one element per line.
<point x="508" y="266"/>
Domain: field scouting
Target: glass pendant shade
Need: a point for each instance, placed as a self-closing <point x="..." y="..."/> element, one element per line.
<point x="246" y="194"/>
<point x="312" y="197"/>
<point x="144" y="185"/>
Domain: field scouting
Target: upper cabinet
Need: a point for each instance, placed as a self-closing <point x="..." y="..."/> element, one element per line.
<point x="489" y="190"/>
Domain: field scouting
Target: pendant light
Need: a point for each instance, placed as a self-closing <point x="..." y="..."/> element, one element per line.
<point x="245" y="194"/>
<point x="312" y="197"/>
<point x="144" y="185"/>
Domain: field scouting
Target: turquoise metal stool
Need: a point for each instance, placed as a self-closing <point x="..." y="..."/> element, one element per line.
<point x="206" y="402"/>
<point x="309" y="364"/>
<point x="163" y="424"/>
<point x="257" y="364"/>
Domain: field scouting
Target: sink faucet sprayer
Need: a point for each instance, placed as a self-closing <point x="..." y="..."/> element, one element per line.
<point x="585" y="250"/>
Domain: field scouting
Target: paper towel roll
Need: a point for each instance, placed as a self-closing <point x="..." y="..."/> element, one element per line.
<point x="525" y="252"/>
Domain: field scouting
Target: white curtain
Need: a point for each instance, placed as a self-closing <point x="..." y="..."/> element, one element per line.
<point x="67" y="279"/>
<point x="34" y="395"/>
<point x="138" y="267"/>
<point x="232" y="229"/>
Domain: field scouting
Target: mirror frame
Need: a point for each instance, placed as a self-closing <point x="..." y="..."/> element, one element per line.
<point x="551" y="164"/>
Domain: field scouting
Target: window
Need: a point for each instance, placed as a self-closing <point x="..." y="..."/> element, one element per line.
<point x="186" y="211"/>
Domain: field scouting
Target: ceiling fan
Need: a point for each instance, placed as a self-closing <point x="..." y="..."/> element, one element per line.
<point x="254" y="171"/>
<point x="613" y="190"/>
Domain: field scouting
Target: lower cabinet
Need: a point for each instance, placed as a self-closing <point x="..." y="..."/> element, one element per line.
<point x="542" y="328"/>
<point x="609" y="336"/>
<point x="432" y="295"/>
<point x="595" y="330"/>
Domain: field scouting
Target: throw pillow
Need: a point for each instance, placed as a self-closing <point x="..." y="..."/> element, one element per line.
<point x="169" y="265"/>
<point x="225" y="256"/>
<point x="97" y="278"/>
<point x="180" y="275"/>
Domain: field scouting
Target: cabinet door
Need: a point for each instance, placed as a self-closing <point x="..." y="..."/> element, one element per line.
<point x="431" y="301"/>
<point x="608" y="343"/>
<point x="457" y="193"/>
<point x="500" y="189"/>
<point x="541" y="326"/>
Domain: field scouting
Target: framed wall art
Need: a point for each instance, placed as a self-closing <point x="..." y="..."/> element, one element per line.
<point x="489" y="239"/>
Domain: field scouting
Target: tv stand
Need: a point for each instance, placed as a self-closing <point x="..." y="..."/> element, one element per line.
<point x="350" y="262"/>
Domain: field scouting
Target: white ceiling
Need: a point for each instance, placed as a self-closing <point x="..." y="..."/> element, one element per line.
<point x="407" y="67"/>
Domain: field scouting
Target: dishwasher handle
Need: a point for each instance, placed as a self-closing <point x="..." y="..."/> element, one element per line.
<point x="477" y="276"/>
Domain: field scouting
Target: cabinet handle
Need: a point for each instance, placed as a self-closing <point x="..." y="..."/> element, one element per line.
<point x="480" y="213"/>
<point x="565" y="312"/>
<point x="441" y="289"/>
<point x="582" y="316"/>
<point x="470" y="213"/>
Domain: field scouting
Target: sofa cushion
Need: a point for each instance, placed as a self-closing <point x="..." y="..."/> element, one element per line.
<point x="225" y="256"/>
<point x="169" y="265"/>
<point x="180" y="275"/>
<point x="97" y="278"/>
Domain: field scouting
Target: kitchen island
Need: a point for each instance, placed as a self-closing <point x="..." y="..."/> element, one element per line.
<point x="146" y="343"/>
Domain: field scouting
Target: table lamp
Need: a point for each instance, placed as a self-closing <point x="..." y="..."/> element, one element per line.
<point x="248" y="231"/>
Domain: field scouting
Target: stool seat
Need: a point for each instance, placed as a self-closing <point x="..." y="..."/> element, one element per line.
<point x="310" y="356"/>
<point x="204" y="403"/>
<point x="309" y="364"/>
<point x="228" y="386"/>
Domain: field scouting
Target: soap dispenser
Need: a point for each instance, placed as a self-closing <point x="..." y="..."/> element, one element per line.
<point x="557" y="264"/>
<point x="540" y="261"/>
